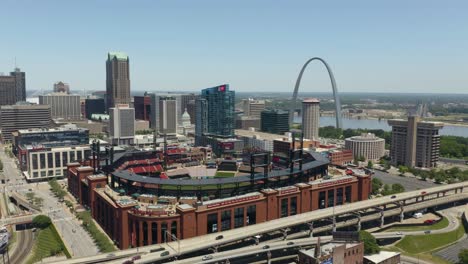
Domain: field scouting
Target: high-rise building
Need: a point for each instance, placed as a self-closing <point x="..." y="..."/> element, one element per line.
<point x="13" y="88"/>
<point x="61" y="87"/>
<point x="182" y="100"/>
<point x="275" y="121"/>
<point x="311" y="118"/>
<point x="253" y="107"/>
<point x="220" y="111"/>
<point x="23" y="116"/>
<point x="62" y="105"/>
<point x="415" y="142"/>
<point x="94" y="106"/>
<point x="118" y="79"/>
<point x="122" y="124"/>
<point x="142" y="105"/>
<point x="201" y="120"/>
<point x="168" y="115"/>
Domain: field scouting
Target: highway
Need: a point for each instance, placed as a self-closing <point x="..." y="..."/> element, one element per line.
<point x="207" y="241"/>
<point x="24" y="246"/>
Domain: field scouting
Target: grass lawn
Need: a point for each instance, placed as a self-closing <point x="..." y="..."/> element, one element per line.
<point x="423" y="256"/>
<point x="48" y="243"/>
<point x="439" y="225"/>
<point x="425" y="243"/>
<point x="224" y="174"/>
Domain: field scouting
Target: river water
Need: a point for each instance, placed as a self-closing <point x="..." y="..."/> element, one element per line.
<point x="447" y="130"/>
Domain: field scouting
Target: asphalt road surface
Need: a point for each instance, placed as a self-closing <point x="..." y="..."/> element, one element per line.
<point x="24" y="246"/>
<point x="409" y="183"/>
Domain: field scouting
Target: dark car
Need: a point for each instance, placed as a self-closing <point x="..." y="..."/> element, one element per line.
<point x="136" y="257"/>
<point x="157" y="249"/>
<point x="290" y="243"/>
<point x="219" y="237"/>
<point x="266" y="247"/>
<point x="423" y="193"/>
<point x="427" y="232"/>
<point x="165" y="253"/>
<point x="128" y="262"/>
<point x="393" y="197"/>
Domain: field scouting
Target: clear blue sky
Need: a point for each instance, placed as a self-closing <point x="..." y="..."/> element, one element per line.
<point x="385" y="46"/>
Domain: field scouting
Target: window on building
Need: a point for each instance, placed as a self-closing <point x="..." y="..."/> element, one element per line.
<point x="348" y="194"/>
<point x="145" y="234"/>
<point x="174" y="229"/>
<point x="72" y="156"/>
<point x="57" y="160"/>
<point x="212" y="223"/>
<point x="34" y="161"/>
<point x="339" y="196"/>
<point x="50" y="160"/>
<point x="42" y="160"/>
<point x="154" y="233"/>
<point x="321" y="200"/>
<point x="239" y="217"/>
<point x="64" y="158"/>
<point x="137" y="235"/>
<point x="79" y="155"/>
<point x="331" y="198"/>
<point x="251" y="215"/>
<point x="284" y="207"/>
<point x="293" y="203"/>
<point x="164" y="237"/>
<point x="226" y="220"/>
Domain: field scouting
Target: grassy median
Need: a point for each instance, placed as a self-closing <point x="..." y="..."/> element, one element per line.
<point x="48" y="243"/>
<point x="439" y="225"/>
<point x="426" y="243"/>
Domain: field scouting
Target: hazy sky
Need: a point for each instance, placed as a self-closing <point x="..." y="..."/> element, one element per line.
<point x="384" y="46"/>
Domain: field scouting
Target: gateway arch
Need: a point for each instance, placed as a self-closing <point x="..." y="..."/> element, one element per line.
<point x="335" y="93"/>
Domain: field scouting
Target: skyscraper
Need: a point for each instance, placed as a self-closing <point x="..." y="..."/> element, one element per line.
<point x="117" y="79"/>
<point x="122" y="124"/>
<point x="94" y="106"/>
<point x="142" y="105"/>
<point x="219" y="111"/>
<point x="61" y="87"/>
<point x="62" y="105"/>
<point x="415" y="142"/>
<point x="310" y="118"/>
<point x="13" y="88"/>
<point x="168" y="115"/>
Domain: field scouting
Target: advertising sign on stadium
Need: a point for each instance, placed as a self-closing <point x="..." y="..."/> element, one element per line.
<point x="233" y="201"/>
<point x="332" y="183"/>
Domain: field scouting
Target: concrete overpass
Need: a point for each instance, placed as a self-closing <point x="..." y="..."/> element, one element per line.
<point x="408" y="201"/>
<point x="17" y="220"/>
<point x="21" y="200"/>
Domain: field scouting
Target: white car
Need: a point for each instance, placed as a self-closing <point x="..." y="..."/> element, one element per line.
<point x="399" y="233"/>
<point x="207" y="257"/>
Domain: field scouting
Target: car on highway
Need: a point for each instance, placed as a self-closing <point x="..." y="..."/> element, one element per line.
<point x="157" y="249"/>
<point x="127" y="262"/>
<point x="165" y="253"/>
<point x="393" y="197"/>
<point x="219" y="237"/>
<point x="290" y="243"/>
<point x="427" y="232"/>
<point x="266" y="247"/>
<point x="207" y="257"/>
<point x="399" y="233"/>
<point x="136" y="257"/>
<point x="423" y="193"/>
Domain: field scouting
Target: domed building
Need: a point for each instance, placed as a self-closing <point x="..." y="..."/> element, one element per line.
<point x="186" y="119"/>
<point x="186" y="126"/>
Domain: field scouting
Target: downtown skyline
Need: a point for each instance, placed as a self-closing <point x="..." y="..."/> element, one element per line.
<point x="371" y="47"/>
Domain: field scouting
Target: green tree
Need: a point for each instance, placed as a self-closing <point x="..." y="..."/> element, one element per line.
<point x="361" y="158"/>
<point x="370" y="165"/>
<point x="1" y="165"/>
<point x="403" y="169"/>
<point x="30" y="196"/>
<point x="463" y="256"/>
<point x="376" y="185"/>
<point x="397" y="188"/>
<point x="370" y="243"/>
<point x="41" y="221"/>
